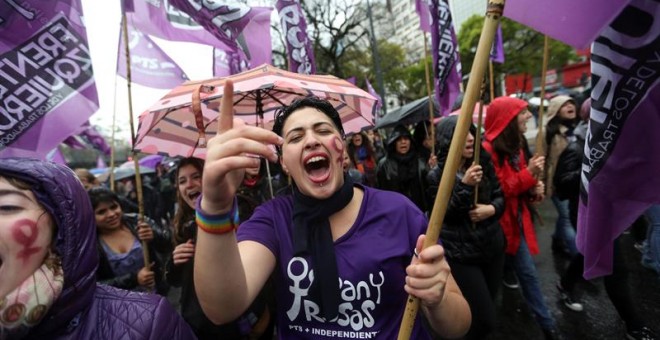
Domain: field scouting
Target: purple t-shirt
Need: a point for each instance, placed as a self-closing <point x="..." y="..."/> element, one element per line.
<point x="371" y="261"/>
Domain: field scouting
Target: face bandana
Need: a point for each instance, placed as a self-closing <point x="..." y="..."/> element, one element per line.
<point x="26" y="306"/>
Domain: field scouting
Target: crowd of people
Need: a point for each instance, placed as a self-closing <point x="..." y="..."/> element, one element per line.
<point x="319" y="237"/>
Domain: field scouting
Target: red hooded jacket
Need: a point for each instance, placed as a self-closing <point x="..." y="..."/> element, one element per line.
<point x="515" y="184"/>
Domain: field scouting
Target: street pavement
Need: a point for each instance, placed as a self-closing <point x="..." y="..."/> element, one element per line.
<point x="599" y="319"/>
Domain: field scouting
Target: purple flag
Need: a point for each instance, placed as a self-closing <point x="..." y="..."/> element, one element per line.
<point x="576" y="23"/>
<point x="256" y="35"/>
<point x="150" y="66"/>
<point x="46" y="82"/>
<point x="160" y="19"/>
<point x="620" y="166"/>
<point x="298" y="46"/>
<point x="379" y="104"/>
<point x="446" y="63"/>
<point x="100" y="163"/>
<point x="255" y="48"/>
<point x="74" y="143"/>
<point x="224" y="19"/>
<point x="95" y="139"/>
<point x="422" y="7"/>
<point x="352" y="80"/>
<point x="497" y="51"/>
<point x="56" y="156"/>
<point x="222" y="66"/>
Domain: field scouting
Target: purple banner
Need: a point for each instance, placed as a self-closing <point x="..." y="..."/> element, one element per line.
<point x="576" y="23"/>
<point x="446" y="63"/>
<point x="623" y="143"/>
<point x="224" y="19"/>
<point x="257" y="45"/>
<point x="298" y="46"/>
<point x="150" y="66"/>
<point x="56" y="156"/>
<point x="160" y="19"/>
<point x="352" y="80"/>
<point x="100" y="163"/>
<point x="74" y="142"/>
<point x="46" y="81"/>
<point x="422" y="7"/>
<point x="497" y="51"/>
<point x="95" y="139"/>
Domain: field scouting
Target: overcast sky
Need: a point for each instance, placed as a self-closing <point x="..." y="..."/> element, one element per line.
<point x="103" y="20"/>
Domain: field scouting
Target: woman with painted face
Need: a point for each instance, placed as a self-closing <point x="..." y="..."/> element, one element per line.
<point x="505" y="124"/>
<point x="338" y="252"/>
<point x="257" y="322"/>
<point x="471" y="234"/>
<point x="403" y="170"/>
<point x="120" y="249"/>
<point x="48" y="260"/>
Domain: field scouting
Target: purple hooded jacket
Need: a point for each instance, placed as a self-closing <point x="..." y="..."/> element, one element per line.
<point x="85" y="309"/>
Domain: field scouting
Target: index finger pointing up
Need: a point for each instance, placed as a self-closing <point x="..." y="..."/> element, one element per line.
<point x="226" y="119"/>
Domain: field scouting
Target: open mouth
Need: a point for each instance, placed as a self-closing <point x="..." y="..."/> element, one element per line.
<point x="192" y="195"/>
<point x="318" y="168"/>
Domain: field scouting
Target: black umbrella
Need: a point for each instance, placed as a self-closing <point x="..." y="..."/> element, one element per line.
<point x="122" y="173"/>
<point x="410" y="113"/>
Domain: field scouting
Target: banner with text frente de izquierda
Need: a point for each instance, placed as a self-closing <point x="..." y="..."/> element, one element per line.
<point x="47" y="88"/>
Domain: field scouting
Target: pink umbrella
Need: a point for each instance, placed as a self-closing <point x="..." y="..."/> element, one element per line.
<point x="171" y="128"/>
<point x="475" y="113"/>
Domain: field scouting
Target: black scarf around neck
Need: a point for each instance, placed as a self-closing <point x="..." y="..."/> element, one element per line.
<point x="312" y="235"/>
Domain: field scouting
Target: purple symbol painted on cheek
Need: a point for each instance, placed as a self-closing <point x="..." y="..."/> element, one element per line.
<point x="339" y="147"/>
<point x="25" y="233"/>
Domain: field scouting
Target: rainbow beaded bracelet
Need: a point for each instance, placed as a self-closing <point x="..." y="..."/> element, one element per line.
<point x="216" y="224"/>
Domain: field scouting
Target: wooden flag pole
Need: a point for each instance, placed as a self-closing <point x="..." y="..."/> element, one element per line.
<point x="138" y="177"/>
<point x="112" y="145"/>
<point x="429" y="92"/>
<point x="492" y="81"/>
<point x="493" y="14"/>
<point x="477" y="138"/>
<point x="540" y="136"/>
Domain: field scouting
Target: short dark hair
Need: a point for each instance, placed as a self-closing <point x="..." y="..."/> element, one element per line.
<point x="314" y="102"/>
<point x="102" y="195"/>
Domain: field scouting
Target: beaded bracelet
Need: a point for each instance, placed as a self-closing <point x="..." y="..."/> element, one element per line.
<point x="216" y="224"/>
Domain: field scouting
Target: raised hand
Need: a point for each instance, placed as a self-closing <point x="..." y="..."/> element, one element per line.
<point x="235" y="147"/>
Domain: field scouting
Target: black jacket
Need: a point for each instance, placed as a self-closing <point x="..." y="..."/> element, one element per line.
<point x="403" y="174"/>
<point x="462" y="241"/>
<point x="191" y="311"/>
<point x="567" y="175"/>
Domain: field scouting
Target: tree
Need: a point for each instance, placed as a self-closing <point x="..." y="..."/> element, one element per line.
<point x="414" y="81"/>
<point x="335" y="29"/>
<point x="523" y="48"/>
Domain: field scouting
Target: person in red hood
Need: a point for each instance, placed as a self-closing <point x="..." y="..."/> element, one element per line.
<point x="505" y="124"/>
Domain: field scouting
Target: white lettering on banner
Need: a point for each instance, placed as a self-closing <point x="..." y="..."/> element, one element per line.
<point x="179" y="19"/>
<point x="25" y="13"/>
<point x="446" y="53"/>
<point x="359" y="299"/>
<point x="624" y="66"/>
<point x="297" y="39"/>
<point x="39" y="75"/>
<point x="228" y="13"/>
